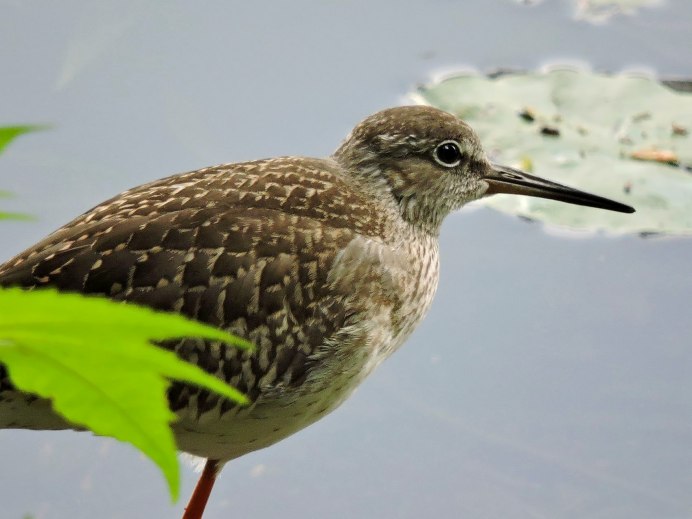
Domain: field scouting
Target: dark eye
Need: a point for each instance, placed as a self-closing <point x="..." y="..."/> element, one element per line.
<point x="448" y="154"/>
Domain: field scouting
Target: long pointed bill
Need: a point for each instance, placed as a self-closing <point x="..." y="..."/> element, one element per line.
<point x="503" y="179"/>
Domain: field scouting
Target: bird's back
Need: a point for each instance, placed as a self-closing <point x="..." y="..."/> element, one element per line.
<point x="289" y="253"/>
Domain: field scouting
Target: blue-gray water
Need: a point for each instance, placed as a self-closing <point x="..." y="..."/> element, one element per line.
<point x="553" y="376"/>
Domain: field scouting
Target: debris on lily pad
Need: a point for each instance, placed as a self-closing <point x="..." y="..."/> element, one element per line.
<point x="621" y="136"/>
<point x="678" y="129"/>
<point x="654" y="155"/>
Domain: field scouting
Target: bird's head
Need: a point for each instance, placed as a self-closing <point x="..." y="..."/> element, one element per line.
<point x="433" y="163"/>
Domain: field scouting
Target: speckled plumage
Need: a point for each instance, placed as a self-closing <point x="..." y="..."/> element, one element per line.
<point x="310" y="259"/>
<point x="326" y="265"/>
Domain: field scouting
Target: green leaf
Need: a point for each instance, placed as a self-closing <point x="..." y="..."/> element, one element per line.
<point x="92" y="357"/>
<point x="600" y="124"/>
<point x="15" y="216"/>
<point x="9" y="133"/>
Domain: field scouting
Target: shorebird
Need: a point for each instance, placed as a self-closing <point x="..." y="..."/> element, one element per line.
<point x="326" y="265"/>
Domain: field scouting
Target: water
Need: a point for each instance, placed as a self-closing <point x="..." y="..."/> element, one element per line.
<point x="553" y="376"/>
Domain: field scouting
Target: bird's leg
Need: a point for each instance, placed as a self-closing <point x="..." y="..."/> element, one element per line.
<point x="200" y="496"/>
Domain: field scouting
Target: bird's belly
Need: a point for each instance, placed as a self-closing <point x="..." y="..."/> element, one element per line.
<point x="274" y="416"/>
<point x="340" y="365"/>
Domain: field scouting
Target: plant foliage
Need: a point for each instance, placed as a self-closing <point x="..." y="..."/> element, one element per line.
<point x="93" y="359"/>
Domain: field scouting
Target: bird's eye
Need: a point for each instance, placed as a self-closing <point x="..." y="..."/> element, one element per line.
<point x="448" y="154"/>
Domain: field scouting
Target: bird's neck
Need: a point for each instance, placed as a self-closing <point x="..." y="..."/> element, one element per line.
<point x="391" y="190"/>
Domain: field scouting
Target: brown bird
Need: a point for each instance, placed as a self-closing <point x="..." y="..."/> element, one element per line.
<point x="326" y="265"/>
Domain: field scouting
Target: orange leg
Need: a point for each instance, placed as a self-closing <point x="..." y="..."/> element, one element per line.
<point x="200" y="496"/>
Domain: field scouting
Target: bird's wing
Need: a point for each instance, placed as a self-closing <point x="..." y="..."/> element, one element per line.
<point x="258" y="271"/>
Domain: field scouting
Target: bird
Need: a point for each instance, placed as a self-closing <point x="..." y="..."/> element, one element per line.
<point x="326" y="265"/>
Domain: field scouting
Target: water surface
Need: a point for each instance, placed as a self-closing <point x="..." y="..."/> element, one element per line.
<point x="553" y="375"/>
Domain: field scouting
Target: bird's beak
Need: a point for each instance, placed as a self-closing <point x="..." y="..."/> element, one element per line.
<point x="503" y="179"/>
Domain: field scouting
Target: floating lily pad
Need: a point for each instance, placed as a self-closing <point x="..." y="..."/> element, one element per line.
<point x="625" y="137"/>
<point x="599" y="11"/>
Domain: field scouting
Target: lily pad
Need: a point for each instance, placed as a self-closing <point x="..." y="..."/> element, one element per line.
<point x="598" y="11"/>
<point x="626" y="137"/>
